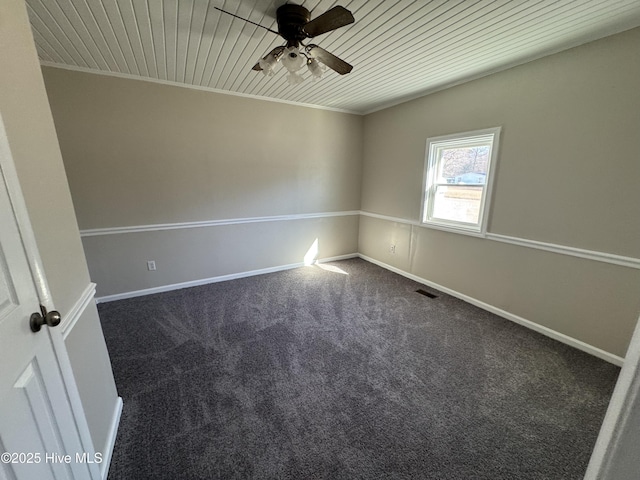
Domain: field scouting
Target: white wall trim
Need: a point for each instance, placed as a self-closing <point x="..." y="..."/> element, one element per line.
<point x="630" y="262"/>
<point x="111" y="439"/>
<point x="76" y="311"/>
<point x="566" y="250"/>
<point x="212" y="223"/>
<point x="561" y="337"/>
<point x="221" y="278"/>
<point x="609" y="31"/>
<point x="392" y="219"/>
<point x="194" y="87"/>
<point x="580" y="345"/>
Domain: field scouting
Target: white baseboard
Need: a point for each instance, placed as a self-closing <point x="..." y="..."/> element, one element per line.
<point x="111" y="439"/>
<point x="561" y="337"/>
<point x="221" y="278"/>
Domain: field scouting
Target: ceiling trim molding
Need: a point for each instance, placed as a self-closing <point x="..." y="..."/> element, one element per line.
<point x="127" y="76"/>
<point x="584" y="40"/>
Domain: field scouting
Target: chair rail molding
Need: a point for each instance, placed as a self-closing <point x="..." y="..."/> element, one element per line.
<point x="75" y="312"/>
<point x="93" y="232"/>
<point x="630" y="262"/>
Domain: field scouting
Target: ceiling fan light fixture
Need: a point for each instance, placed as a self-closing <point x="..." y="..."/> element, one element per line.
<point x="315" y="68"/>
<point x="267" y="64"/>
<point x="296" y="26"/>
<point x="294" y="78"/>
<point x="292" y="59"/>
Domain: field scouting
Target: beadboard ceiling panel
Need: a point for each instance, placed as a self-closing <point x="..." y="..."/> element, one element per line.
<point x="400" y="49"/>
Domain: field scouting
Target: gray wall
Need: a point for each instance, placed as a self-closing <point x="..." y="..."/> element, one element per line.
<point x="140" y="153"/>
<point x="567" y="174"/>
<point x="34" y="146"/>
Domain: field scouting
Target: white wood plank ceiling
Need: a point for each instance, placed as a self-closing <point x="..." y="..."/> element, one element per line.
<point x="400" y="49"/>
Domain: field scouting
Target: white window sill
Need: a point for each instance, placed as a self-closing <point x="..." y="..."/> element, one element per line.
<point x="455" y="229"/>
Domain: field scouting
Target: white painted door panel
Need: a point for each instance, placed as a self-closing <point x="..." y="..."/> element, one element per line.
<point x="37" y="426"/>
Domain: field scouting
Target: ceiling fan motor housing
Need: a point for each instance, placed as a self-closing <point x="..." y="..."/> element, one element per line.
<point x="291" y="18"/>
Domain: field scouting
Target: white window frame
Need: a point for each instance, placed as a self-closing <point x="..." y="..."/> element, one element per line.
<point x="429" y="184"/>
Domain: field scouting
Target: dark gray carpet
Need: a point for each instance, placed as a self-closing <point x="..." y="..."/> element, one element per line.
<point x="314" y="374"/>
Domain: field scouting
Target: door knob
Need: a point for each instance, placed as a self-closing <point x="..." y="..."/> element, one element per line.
<point x="38" y="319"/>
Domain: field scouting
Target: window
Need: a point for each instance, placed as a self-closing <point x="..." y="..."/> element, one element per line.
<point x="457" y="180"/>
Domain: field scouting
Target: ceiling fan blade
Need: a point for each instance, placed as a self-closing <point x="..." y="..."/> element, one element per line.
<point x="248" y="21"/>
<point x="330" y="20"/>
<point x="275" y="52"/>
<point x="329" y="59"/>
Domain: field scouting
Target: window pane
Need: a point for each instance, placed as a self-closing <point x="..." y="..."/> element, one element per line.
<point x="457" y="180"/>
<point x="468" y="165"/>
<point x="458" y="203"/>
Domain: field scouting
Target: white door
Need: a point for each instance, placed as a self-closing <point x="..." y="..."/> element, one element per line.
<point x="37" y="426"/>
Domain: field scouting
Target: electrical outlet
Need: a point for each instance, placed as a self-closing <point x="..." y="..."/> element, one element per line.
<point x="151" y="265"/>
<point x="392" y="248"/>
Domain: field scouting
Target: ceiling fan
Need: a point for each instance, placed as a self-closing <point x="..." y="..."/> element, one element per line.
<point x="295" y="26"/>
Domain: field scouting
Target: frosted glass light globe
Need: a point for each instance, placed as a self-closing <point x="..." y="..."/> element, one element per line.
<point x="292" y="60"/>
<point x="315" y="68"/>
<point x="267" y="64"/>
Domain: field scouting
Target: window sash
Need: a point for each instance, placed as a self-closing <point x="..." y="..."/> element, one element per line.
<point x="455" y="206"/>
<point x="457" y="220"/>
